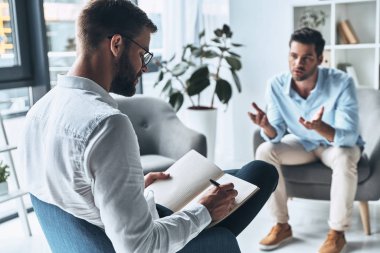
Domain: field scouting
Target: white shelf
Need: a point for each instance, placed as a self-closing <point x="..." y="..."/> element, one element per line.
<point x="356" y="46"/>
<point x="364" y="17"/>
<point x="18" y="193"/>
<point x="12" y="195"/>
<point x="7" y="148"/>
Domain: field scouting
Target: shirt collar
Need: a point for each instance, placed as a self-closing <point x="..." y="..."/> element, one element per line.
<point x="317" y="88"/>
<point x="82" y="83"/>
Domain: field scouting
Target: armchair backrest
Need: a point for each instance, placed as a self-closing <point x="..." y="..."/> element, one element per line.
<point x="67" y="233"/>
<point x="369" y="116"/>
<point x="158" y="128"/>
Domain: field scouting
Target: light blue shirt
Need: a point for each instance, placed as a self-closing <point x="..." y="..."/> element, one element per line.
<point x="334" y="90"/>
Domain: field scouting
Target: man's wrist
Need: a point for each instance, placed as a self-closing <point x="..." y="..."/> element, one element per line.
<point x="270" y="132"/>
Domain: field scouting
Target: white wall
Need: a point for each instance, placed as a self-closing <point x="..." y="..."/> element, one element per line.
<point x="264" y="27"/>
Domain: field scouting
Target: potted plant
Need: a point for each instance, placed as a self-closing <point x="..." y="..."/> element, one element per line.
<point x="312" y="18"/>
<point x="4" y="174"/>
<point x="204" y="62"/>
<point x="201" y="68"/>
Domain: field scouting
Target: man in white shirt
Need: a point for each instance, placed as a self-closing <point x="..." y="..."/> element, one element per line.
<point x="82" y="154"/>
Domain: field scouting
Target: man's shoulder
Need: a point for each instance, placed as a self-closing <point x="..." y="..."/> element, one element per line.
<point x="279" y="81"/>
<point x="334" y="74"/>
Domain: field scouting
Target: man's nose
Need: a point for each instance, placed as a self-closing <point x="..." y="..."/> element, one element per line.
<point x="144" y="68"/>
<point x="299" y="61"/>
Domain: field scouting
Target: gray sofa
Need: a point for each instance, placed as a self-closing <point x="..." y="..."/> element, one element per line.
<point x="162" y="137"/>
<point x="313" y="181"/>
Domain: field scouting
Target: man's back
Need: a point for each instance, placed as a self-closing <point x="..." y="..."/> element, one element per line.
<point x="58" y="128"/>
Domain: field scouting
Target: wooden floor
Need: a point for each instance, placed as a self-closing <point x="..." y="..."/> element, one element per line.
<point x="308" y="219"/>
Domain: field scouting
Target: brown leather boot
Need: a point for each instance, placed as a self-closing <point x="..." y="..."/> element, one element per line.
<point x="278" y="235"/>
<point x="334" y="243"/>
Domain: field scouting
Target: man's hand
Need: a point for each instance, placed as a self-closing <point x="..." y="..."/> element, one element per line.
<point x="153" y="176"/>
<point x="219" y="200"/>
<point x="318" y="125"/>
<point x="261" y="119"/>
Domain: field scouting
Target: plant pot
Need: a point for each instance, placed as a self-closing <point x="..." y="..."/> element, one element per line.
<point x="203" y="120"/>
<point x="3" y="188"/>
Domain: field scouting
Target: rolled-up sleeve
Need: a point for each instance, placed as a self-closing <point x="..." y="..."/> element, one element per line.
<point x="346" y="122"/>
<point x="113" y="165"/>
<point x="274" y="116"/>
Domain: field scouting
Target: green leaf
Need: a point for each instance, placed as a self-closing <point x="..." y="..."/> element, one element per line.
<point x="223" y="90"/>
<point x="172" y="58"/>
<point x="234" y="54"/>
<point x="226" y="29"/>
<point x="218" y="32"/>
<point x="196" y="52"/>
<point x="198" y="81"/>
<point x="179" y="69"/>
<point x="236" y="79"/>
<point x="237" y="44"/>
<point x="229" y="34"/>
<point x="223" y="48"/>
<point x="159" y="79"/>
<point x="216" y="40"/>
<point x="210" y="54"/>
<point x="176" y="100"/>
<point x="233" y="62"/>
<point x="201" y="34"/>
<point x="167" y="89"/>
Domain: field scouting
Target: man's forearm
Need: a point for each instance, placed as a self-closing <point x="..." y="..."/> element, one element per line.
<point x="270" y="131"/>
<point x="326" y="131"/>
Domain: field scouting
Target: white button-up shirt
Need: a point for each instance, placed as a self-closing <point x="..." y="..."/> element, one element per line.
<point x="81" y="154"/>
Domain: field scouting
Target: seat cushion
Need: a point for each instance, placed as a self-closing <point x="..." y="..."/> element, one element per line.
<point x="318" y="173"/>
<point x="155" y="163"/>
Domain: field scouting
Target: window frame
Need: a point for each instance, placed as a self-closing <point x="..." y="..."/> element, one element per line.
<point x="21" y="70"/>
<point x="29" y="31"/>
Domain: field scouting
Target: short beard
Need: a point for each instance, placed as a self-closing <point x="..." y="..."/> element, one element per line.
<point x="124" y="82"/>
<point x="306" y="75"/>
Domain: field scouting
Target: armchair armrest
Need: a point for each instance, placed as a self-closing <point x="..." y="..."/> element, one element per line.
<point x="257" y="140"/>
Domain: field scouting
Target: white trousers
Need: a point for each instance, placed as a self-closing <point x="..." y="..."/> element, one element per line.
<point x="343" y="162"/>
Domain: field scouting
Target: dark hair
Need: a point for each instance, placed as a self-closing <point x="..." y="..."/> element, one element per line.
<point x="102" y="18"/>
<point x="309" y="36"/>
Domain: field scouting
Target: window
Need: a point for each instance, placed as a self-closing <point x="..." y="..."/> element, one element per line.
<point x="23" y="71"/>
<point x="179" y="22"/>
<point x="60" y="16"/>
<point x="7" y="51"/>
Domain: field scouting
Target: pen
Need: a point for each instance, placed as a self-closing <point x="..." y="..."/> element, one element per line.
<point x="214" y="183"/>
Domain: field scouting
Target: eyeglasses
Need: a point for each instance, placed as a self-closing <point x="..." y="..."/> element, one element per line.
<point x="146" y="58"/>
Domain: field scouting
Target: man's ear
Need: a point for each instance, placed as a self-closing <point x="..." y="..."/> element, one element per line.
<point x="320" y="59"/>
<point x="116" y="45"/>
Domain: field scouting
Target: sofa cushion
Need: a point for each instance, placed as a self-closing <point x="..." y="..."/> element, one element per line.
<point x="155" y="163"/>
<point x="318" y="173"/>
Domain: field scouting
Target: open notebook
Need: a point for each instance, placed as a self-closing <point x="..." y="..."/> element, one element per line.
<point x="190" y="180"/>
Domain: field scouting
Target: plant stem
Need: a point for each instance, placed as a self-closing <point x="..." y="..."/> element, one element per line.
<point x="184" y="88"/>
<point x="217" y="74"/>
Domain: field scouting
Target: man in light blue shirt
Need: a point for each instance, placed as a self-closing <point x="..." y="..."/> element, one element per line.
<point x="318" y="107"/>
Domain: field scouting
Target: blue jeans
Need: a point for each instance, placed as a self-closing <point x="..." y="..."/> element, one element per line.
<point x="222" y="237"/>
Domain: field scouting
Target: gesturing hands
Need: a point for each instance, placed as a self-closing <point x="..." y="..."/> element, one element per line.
<point x="318" y="125"/>
<point x="219" y="200"/>
<point x="261" y="120"/>
<point x="153" y="176"/>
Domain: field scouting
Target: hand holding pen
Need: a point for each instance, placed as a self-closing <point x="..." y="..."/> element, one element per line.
<point x="219" y="200"/>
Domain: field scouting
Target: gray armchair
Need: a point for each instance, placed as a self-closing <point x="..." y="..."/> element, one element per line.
<point x="313" y="181"/>
<point x="162" y="137"/>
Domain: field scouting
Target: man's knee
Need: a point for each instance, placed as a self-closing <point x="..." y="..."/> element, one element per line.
<point x="345" y="160"/>
<point x="263" y="174"/>
<point x="265" y="151"/>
